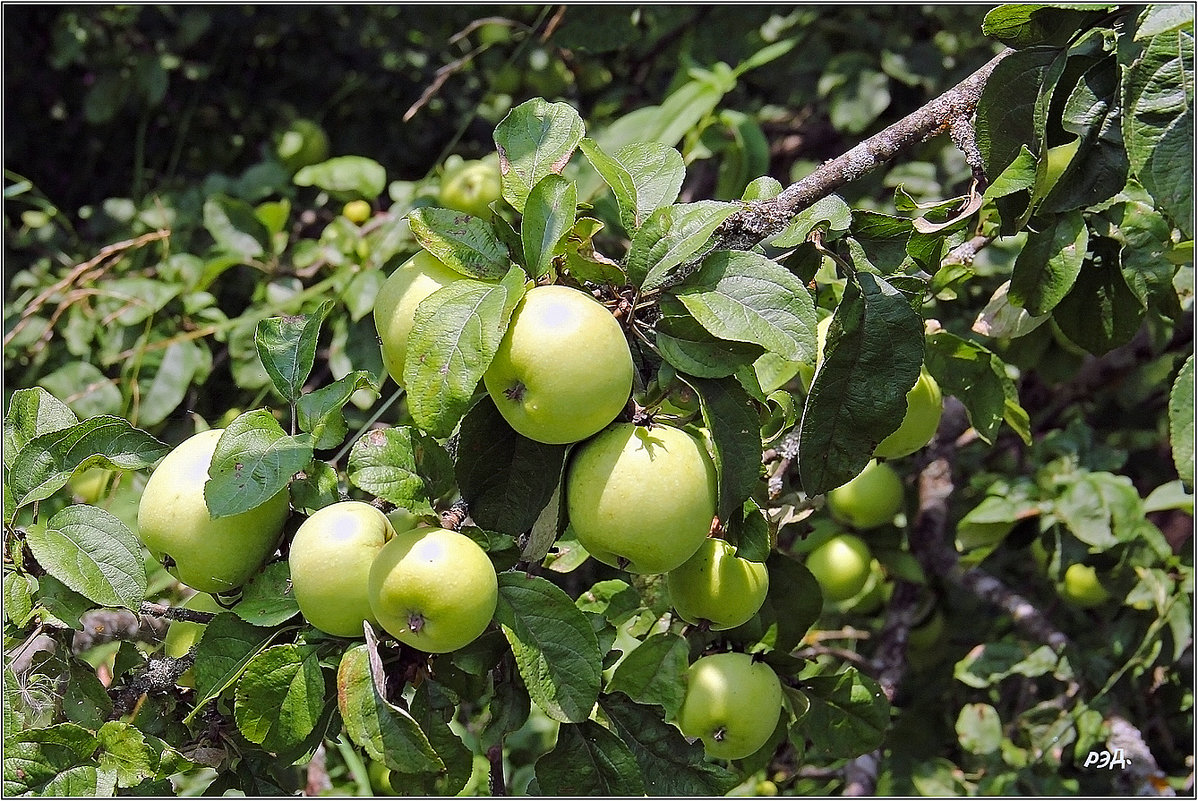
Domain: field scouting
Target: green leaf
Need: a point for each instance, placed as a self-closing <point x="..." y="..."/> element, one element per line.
<point x="432" y="708"/>
<point x="402" y="465"/>
<point x="165" y="376"/>
<point x="505" y="477"/>
<point x="973" y="375"/>
<point x="990" y="663"/>
<point x="453" y="340"/>
<point x="588" y="760"/>
<point x="85" y="699"/>
<point x="751" y="532"/>
<point x="849" y="711"/>
<point x="1021" y="25"/>
<point x="794" y="598"/>
<point x="268" y="600"/>
<point x="253" y="461"/>
<point x="1181" y="423"/>
<point x="744" y="297"/>
<point x="235" y="227"/>
<point x="388" y="732"/>
<point x="31" y="413"/>
<point x="1101" y="509"/>
<point x="1049" y="263"/>
<point x="280" y="696"/>
<point x="93" y="553"/>
<point x="829" y="213"/>
<point x="462" y="242"/>
<point x="126" y="753"/>
<point x="1019" y="176"/>
<point x="1164" y="18"/>
<point x="46" y="462"/>
<point x="643" y="176"/>
<point x="19" y="590"/>
<point x="556" y="650"/>
<point x="672" y="237"/>
<point x="669" y="765"/>
<point x="34" y="757"/>
<point x="979" y="729"/>
<point x="81" y="781"/>
<point x="345" y="175"/>
<point x="535" y="139"/>
<point x="1100" y="312"/>
<point x="666" y="124"/>
<point x="1158" y="122"/>
<point x="732" y="421"/>
<point x="320" y="412"/>
<point x="691" y="348"/>
<point x="225" y="647"/>
<point x="548" y="217"/>
<point x="316" y="487"/>
<point x="859" y="394"/>
<point x="287" y="348"/>
<point x="654" y="672"/>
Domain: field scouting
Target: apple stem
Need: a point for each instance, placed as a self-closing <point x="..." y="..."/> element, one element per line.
<point x="622" y="562"/>
<point x="720" y="734"/>
<point x="415" y="622"/>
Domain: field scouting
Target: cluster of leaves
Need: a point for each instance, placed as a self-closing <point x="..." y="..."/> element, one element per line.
<point x="237" y="283"/>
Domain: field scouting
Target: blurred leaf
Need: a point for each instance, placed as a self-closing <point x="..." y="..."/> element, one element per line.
<point x="990" y="663"/>
<point x="280" y="696"/>
<point x="1181" y="423"/>
<point x="235" y="227"/>
<point x="548" y="217"/>
<point x="93" y="553"/>
<point x="355" y="175"/>
<point x="462" y="242"/>
<point x="402" y="465"/>
<point x="979" y="729"/>
<point x="534" y="140"/>
<point x="287" y="348"/>
<point x="556" y="649"/>
<point x="588" y="760"/>
<point x="455" y="336"/>
<point x="165" y="377"/>
<point x="85" y="389"/>
<point x="654" y="672"/>
<point x="1101" y="509"/>
<point x="253" y="461"/>
<point x="851" y="709"/>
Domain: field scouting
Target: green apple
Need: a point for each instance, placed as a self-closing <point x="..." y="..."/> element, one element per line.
<point x="841" y="566"/>
<point x="472" y="187"/>
<point x="925" y="635"/>
<point x="732" y="704"/>
<point x="380" y="778"/>
<point x="433" y="589"/>
<point x="356" y="211"/>
<point x="395" y="306"/>
<point x="717" y="586"/>
<point x="330" y="560"/>
<point x="211" y="555"/>
<point x="303" y="143"/>
<point x="641" y="499"/>
<point x="869" y="500"/>
<point x="924" y="405"/>
<point x="182" y="635"/>
<point x="1082" y="587"/>
<point x="563" y="370"/>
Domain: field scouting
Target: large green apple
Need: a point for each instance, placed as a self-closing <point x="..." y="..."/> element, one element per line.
<point x="330" y="562"/>
<point x="395" y="306"/>
<point x="173" y="521"/>
<point x="433" y="589"/>
<point x="732" y="704"/>
<point x="641" y="499"/>
<point x="1082" y="587"/>
<point x="717" y="586"/>
<point x="841" y="566"/>
<point x="924" y="405"/>
<point x="869" y="500"/>
<point x="181" y="635"/>
<point x="563" y="370"/>
<point x="472" y="187"/>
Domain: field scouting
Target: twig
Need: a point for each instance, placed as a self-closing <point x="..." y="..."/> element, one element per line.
<point x="175" y="613"/>
<point x="762" y="218"/>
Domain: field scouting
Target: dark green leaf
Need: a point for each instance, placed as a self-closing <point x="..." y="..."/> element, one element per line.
<point x="672" y="237"/>
<point x="430" y="709"/>
<point x="548" y="217"/>
<point x="669" y="765"/>
<point x="588" y="760"/>
<point x="226" y="646"/>
<point x="1049" y="263"/>
<point x="1021" y="25"/>
<point x="235" y="227"/>
<point x="320" y="412"/>
<point x="859" y="394"/>
<point x="690" y="348"/>
<point x="268" y="600"/>
<point x="287" y="348"/>
<point x="253" y="461"/>
<point x="280" y="696"/>
<point x="453" y="340"/>
<point x="751" y="533"/>
<point x="1100" y="312"/>
<point x="34" y="757"/>
<point x="345" y="175"/>
<point x="316" y="487"/>
<point x="795" y="599"/>
<point x="732" y="420"/>
<point x="1181" y="423"/>
<point x="556" y="648"/>
<point x="535" y="139"/>
<point x="462" y="242"/>
<point x="654" y="672"/>
<point x="973" y="375"/>
<point x="849" y="711"/>
<point x="402" y="465"/>
<point x="93" y="553"/>
<point x="85" y="700"/>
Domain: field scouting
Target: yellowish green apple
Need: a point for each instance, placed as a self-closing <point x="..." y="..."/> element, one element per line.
<point x="717" y="587"/>
<point x="472" y="187"/>
<point x="841" y="566"/>
<point x="433" y="589"/>
<point x="732" y="704"/>
<point x="356" y="211"/>
<point x="641" y="499"/>
<point x="870" y="499"/>
<point x="330" y="561"/>
<point x="563" y="370"/>
<point x="924" y="406"/>
<point x="1082" y="587"/>
<point x="395" y="306"/>
<point x="211" y="555"/>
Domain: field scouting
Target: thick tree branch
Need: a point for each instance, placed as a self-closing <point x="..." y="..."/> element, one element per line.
<point x="949" y="112"/>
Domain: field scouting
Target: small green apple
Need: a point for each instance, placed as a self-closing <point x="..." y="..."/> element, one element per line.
<point x="472" y="187"/>
<point x="356" y="211"/>
<point x="433" y="589"/>
<point x="395" y="306"/>
<point x="717" y="586"/>
<point x="563" y="370"/>
<point x="869" y="500"/>
<point x="732" y="704"/>
<point x="1082" y="587"/>
<point x="330" y="561"/>
<point x="841" y="566"/>
<point x="211" y="555"/>
<point x="924" y="406"/>
<point x="182" y="635"/>
<point x="303" y="143"/>
<point x="380" y="778"/>
<point x="641" y="499"/>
